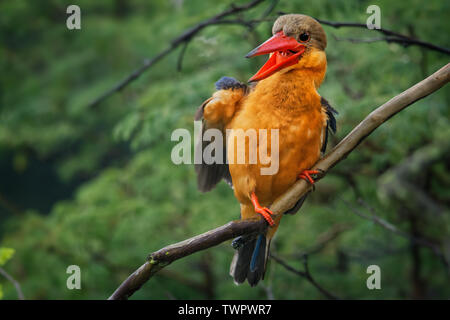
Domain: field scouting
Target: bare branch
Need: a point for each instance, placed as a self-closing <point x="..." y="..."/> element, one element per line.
<point x="287" y="266"/>
<point x="181" y="56"/>
<point x="133" y="76"/>
<point x="183" y="38"/>
<point x="392" y="228"/>
<point x="369" y="40"/>
<point x="14" y="282"/>
<point x="305" y="274"/>
<point x="167" y="255"/>
<point x="324" y="239"/>
<point x="270" y="8"/>
<point x="392" y="36"/>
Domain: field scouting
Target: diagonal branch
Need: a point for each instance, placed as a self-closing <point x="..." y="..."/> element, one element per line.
<point x="167" y="255"/>
<point x="362" y="130"/>
<point x="305" y="274"/>
<point x="14" y="282"/>
<point x="435" y="247"/>
<point x="391" y="36"/>
<point x="184" y="38"/>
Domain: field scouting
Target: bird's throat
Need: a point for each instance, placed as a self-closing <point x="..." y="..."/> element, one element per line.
<point x="293" y="91"/>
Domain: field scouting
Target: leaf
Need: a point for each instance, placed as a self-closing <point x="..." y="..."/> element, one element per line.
<point x="5" y="255"/>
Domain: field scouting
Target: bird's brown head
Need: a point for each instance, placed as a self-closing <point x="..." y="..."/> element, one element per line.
<point x="298" y="42"/>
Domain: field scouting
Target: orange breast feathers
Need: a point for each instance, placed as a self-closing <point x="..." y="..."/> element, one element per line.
<point x="283" y="102"/>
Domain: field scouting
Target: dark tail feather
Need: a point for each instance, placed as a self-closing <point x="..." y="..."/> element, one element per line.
<point x="258" y="262"/>
<point x="249" y="261"/>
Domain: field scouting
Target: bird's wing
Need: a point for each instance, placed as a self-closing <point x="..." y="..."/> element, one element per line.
<point x="331" y="122"/>
<point x="221" y="107"/>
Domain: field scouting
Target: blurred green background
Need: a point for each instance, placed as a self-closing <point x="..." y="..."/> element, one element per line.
<point x="95" y="186"/>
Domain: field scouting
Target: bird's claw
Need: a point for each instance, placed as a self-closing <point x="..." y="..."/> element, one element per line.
<point x="266" y="213"/>
<point x="306" y="175"/>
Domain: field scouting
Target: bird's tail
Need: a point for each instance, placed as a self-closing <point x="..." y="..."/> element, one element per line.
<point x="249" y="261"/>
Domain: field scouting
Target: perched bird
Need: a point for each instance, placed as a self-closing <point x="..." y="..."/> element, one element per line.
<point x="281" y="95"/>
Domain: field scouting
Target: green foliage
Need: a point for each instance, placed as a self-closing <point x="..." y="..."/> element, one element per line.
<point x="95" y="187"/>
<point x="5" y="255"/>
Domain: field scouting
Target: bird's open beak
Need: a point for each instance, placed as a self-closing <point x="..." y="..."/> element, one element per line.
<point x="286" y="52"/>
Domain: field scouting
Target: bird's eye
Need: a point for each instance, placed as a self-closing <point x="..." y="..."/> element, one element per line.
<point x="304" y="37"/>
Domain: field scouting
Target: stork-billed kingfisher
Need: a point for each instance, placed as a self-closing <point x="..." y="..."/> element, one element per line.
<point x="281" y="95"/>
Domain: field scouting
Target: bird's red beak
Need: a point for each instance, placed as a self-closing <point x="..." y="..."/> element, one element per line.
<point x="286" y="52"/>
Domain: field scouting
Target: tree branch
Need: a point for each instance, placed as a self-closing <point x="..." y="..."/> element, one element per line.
<point x="435" y="247"/>
<point x="305" y="274"/>
<point x="184" y="38"/>
<point x="167" y="255"/>
<point x="392" y="36"/>
<point x="14" y="282"/>
<point x="324" y="239"/>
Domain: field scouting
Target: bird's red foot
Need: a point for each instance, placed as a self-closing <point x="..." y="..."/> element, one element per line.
<point x="306" y="175"/>
<point x="265" y="212"/>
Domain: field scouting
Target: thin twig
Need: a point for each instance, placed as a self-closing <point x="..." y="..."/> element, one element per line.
<point x="133" y="76"/>
<point x="269" y="9"/>
<point x="186" y="36"/>
<point x="324" y="239"/>
<point x="395" y="36"/>
<point x="368" y="40"/>
<point x="14" y="282"/>
<point x="305" y="274"/>
<point x="392" y="228"/>
<point x="392" y="36"/>
<point x="181" y="56"/>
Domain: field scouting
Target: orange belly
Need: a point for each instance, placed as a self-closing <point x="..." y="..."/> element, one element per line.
<point x="299" y="141"/>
